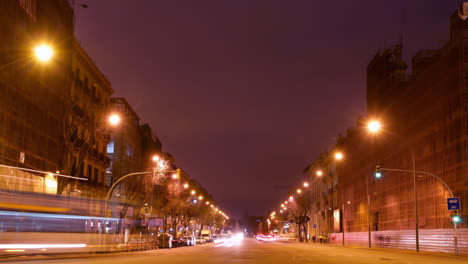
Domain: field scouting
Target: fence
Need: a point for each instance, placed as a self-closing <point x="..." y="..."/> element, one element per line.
<point x="439" y="240"/>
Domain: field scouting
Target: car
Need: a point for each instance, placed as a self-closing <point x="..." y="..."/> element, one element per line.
<point x="207" y="237"/>
<point x="200" y="240"/>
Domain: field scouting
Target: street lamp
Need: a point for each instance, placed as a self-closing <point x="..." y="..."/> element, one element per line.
<point x="374" y="126"/>
<point x="319" y="173"/>
<point x="338" y="156"/>
<point x="43" y="52"/>
<point x="114" y="119"/>
<point x="306" y="184"/>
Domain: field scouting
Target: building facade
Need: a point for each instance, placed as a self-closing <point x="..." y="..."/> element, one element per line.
<point x="32" y="94"/>
<point x="86" y="130"/>
<point x="424" y="115"/>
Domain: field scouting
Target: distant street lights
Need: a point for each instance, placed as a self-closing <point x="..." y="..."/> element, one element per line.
<point x="338" y="156"/>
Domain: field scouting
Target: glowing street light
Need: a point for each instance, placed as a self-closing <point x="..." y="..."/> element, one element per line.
<point x="374" y="126"/>
<point x="114" y="119"/>
<point x="319" y="173"/>
<point x="298" y="190"/>
<point x="306" y="184"/>
<point x="193" y="192"/>
<point x="291" y="198"/>
<point x="175" y="176"/>
<point x="200" y="197"/>
<point x="43" y="52"/>
<point x="186" y="186"/>
<point x="338" y="156"/>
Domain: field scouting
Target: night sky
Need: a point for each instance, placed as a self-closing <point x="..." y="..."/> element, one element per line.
<point x="245" y="93"/>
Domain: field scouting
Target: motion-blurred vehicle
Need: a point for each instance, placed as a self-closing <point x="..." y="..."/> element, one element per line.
<point x="207" y="235"/>
<point x="200" y="240"/>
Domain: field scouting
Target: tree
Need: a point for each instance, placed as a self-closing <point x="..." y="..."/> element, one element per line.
<point x="299" y="209"/>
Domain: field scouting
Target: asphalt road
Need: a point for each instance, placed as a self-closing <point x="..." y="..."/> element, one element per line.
<point x="251" y="251"/>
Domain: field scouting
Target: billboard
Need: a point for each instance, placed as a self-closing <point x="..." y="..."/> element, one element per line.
<point x="337" y="220"/>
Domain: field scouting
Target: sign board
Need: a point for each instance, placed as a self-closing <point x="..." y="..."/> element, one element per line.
<point x="453" y="204"/>
<point x="337" y="220"/>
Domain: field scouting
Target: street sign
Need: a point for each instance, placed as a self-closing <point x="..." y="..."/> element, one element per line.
<point x="453" y="204"/>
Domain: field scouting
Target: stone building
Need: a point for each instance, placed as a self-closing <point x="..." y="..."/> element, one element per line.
<point x="131" y="148"/>
<point x="425" y="115"/>
<point x="32" y="94"/>
<point x="86" y="130"/>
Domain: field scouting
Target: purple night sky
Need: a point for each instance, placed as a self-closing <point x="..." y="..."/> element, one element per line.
<point x="245" y="93"/>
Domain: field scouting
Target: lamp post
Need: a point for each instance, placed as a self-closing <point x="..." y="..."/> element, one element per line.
<point x="42" y="53"/>
<point x="455" y="236"/>
<point x="374" y="127"/>
<point x="338" y="157"/>
<point x="109" y="193"/>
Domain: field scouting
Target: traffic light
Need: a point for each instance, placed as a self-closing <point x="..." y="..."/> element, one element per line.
<point x="378" y="173"/>
<point x="455" y="217"/>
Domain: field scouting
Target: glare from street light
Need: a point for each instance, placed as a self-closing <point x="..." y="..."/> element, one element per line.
<point x="200" y="197"/>
<point x="319" y="173"/>
<point x="374" y="126"/>
<point x="174" y="176"/>
<point x="306" y="184"/>
<point x="291" y="198"/>
<point x="43" y="52"/>
<point x="114" y="119"/>
<point x="338" y="156"/>
<point x="193" y="192"/>
<point x="186" y="186"/>
<point x="155" y="158"/>
<point x="298" y="190"/>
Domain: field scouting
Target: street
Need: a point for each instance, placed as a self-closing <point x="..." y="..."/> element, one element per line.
<point x="251" y="251"/>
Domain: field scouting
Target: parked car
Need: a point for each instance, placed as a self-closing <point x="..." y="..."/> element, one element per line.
<point x="200" y="240"/>
<point x="208" y="238"/>
<point x="186" y="241"/>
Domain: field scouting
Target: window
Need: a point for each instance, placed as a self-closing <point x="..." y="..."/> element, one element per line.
<point x="29" y="7"/>
<point x="129" y="150"/>
<point x="110" y="147"/>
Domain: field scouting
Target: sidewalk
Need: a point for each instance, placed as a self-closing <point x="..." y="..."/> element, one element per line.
<point x="396" y="250"/>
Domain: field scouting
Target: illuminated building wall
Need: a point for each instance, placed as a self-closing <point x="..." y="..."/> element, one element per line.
<point x="425" y="113"/>
<point x="32" y="94"/>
